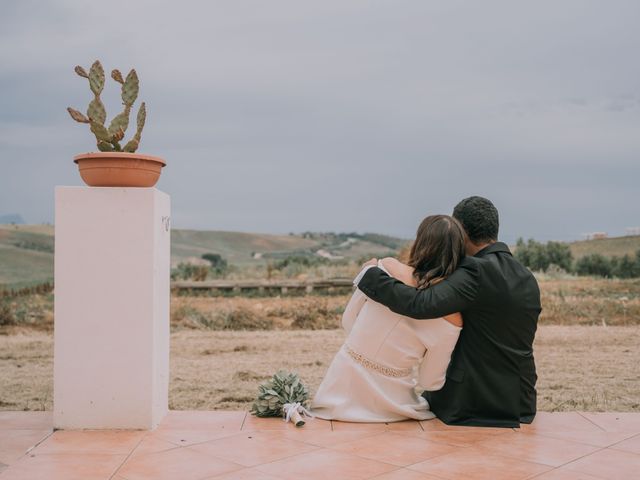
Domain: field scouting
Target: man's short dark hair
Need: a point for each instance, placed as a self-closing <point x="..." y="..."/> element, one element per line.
<point x="479" y="217"/>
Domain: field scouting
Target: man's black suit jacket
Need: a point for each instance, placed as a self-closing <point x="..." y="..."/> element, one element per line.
<point x="492" y="375"/>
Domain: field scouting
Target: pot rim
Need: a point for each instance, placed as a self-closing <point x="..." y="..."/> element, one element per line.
<point x="118" y="155"/>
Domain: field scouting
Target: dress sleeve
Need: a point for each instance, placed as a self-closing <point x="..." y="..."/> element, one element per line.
<point x="352" y="309"/>
<point x="433" y="369"/>
<point x="357" y="300"/>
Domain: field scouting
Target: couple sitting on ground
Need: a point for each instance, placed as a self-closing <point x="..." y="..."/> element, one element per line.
<point x="457" y="321"/>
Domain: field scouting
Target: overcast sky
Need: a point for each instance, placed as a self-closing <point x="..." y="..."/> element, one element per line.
<point x="281" y="116"/>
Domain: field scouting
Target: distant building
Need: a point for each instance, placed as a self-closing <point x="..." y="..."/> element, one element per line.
<point x="633" y="231"/>
<point x="596" y="235"/>
<point x="348" y="242"/>
<point x="327" y="254"/>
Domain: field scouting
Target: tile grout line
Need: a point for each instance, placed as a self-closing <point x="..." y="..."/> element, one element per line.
<point x="435" y="456"/>
<point x="599" y="449"/>
<point x="378" y="475"/>
<point x="580" y="442"/>
<point x="207" y="455"/>
<point x="128" y="456"/>
<point x="175" y="445"/>
<point x="220" y="475"/>
<point x="319" y="449"/>
<point x="33" y="447"/>
<point x="503" y="455"/>
<point x="217" y="457"/>
<point x="596" y="448"/>
<point x="244" y="419"/>
<point x="591" y="421"/>
<point x="40" y="442"/>
<point x="570" y="462"/>
<point x="623" y="440"/>
<point x="536" y="475"/>
<point x="245" y="432"/>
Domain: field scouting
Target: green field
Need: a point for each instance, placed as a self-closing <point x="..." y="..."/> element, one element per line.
<point x="26" y="254"/>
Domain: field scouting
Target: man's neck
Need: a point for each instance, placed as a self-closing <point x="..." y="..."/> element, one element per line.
<point x="473" y="248"/>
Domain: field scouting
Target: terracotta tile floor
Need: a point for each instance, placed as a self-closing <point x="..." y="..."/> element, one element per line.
<point x="236" y="445"/>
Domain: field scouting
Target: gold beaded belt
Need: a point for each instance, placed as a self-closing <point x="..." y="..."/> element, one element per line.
<point x="378" y="367"/>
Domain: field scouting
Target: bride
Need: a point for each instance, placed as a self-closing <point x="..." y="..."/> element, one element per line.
<point x="387" y="356"/>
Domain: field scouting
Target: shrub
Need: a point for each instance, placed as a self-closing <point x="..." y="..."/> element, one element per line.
<point x="219" y="265"/>
<point x="186" y="314"/>
<point x="294" y="265"/>
<point x="42" y="288"/>
<point x="594" y="264"/>
<point x="559" y="254"/>
<point x="189" y="271"/>
<point x="626" y="266"/>
<point x="539" y="256"/>
<point x="6" y="315"/>
<point x="300" y="261"/>
<point x="316" y="316"/>
<point x="239" y="318"/>
<point x="556" y="256"/>
<point x="235" y="318"/>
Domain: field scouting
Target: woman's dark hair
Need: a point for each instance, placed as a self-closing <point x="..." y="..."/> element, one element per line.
<point x="479" y="217"/>
<point x="437" y="250"/>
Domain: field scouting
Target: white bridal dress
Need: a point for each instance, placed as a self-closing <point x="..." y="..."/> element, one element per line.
<point x="385" y="358"/>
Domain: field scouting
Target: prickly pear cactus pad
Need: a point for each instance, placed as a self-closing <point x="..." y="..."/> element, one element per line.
<point x="108" y="138"/>
<point x="284" y="395"/>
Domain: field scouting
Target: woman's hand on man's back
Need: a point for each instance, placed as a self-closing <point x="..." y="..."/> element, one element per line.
<point x="373" y="261"/>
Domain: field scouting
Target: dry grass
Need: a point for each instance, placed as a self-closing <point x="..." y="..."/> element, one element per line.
<point x="265" y="313"/>
<point x="588" y="368"/>
<point x="566" y="300"/>
<point x="26" y="366"/>
<point x="223" y="347"/>
<point x="589" y="301"/>
<point x="199" y="382"/>
<point x="579" y="367"/>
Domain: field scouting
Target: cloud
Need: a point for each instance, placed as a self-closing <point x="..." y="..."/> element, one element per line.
<point x="287" y="116"/>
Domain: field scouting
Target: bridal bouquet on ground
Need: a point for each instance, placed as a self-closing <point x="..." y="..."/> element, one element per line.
<point x="283" y="395"/>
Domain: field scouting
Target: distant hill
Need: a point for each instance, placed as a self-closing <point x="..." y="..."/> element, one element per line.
<point x="12" y="218"/>
<point x="614" y="246"/>
<point x="252" y="248"/>
<point x="26" y="251"/>
<point x="26" y="254"/>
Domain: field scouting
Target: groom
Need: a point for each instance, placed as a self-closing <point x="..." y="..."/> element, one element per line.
<point x="492" y="375"/>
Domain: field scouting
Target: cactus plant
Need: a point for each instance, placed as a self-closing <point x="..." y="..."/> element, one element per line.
<point x="108" y="138"/>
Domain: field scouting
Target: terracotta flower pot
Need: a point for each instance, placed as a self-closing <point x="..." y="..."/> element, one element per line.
<point x="119" y="169"/>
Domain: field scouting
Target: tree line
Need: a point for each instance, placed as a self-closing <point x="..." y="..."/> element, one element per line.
<point x="541" y="257"/>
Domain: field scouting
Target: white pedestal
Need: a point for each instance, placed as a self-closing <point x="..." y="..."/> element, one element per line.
<point x="112" y="273"/>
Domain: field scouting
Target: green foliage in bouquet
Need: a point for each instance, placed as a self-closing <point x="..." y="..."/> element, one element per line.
<point x="109" y="138"/>
<point x="282" y="389"/>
